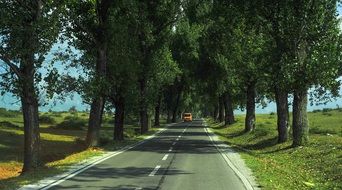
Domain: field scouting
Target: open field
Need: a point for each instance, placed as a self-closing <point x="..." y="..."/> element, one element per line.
<point x="62" y="144"/>
<point x="278" y="166"/>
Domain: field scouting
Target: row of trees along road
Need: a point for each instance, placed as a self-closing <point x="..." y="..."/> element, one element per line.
<point x="165" y="57"/>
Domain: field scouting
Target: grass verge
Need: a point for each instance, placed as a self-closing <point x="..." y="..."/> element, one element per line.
<point x="60" y="148"/>
<point x="278" y="166"/>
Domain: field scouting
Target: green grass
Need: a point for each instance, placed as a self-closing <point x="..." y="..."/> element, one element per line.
<point x="278" y="166"/>
<point x="60" y="146"/>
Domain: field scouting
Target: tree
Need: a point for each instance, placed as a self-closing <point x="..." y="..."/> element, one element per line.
<point x="154" y="21"/>
<point x="313" y="35"/>
<point x="27" y="29"/>
<point x="86" y="25"/>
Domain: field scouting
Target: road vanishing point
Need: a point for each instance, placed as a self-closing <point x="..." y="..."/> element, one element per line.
<point x="182" y="157"/>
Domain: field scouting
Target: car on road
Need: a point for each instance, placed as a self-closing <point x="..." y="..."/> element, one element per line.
<point x="187" y="117"/>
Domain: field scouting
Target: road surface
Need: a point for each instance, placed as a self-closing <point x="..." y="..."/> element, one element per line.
<point x="180" y="158"/>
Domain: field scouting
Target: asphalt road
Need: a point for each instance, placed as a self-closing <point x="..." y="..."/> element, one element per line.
<point x="180" y="158"/>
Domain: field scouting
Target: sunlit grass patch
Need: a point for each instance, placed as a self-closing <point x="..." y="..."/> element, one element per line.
<point x="60" y="147"/>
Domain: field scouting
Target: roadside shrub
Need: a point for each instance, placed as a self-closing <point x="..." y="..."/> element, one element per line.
<point x="8" y="124"/>
<point x="47" y="119"/>
<point x="272" y="113"/>
<point x="8" y="113"/>
<point x="326" y="109"/>
<point x="56" y="114"/>
<point x="109" y="120"/>
<point x="316" y="111"/>
<point x="68" y="117"/>
<point x="72" y="123"/>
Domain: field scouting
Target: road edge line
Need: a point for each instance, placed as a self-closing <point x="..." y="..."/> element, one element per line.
<point x="248" y="185"/>
<point x="84" y="165"/>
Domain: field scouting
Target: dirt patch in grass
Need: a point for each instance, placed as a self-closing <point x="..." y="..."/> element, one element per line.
<point x="11" y="169"/>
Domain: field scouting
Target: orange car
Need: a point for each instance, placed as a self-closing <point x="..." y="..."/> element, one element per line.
<point x="187" y="117"/>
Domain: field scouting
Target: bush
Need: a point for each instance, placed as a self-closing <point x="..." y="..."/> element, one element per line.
<point x="109" y="120"/>
<point x="73" y="123"/>
<point x="316" y="111"/>
<point x="8" y="113"/>
<point x="272" y="113"/>
<point x="56" y="114"/>
<point x="8" y="124"/>
<point x="46" y="119"/>
<point x="327" y="109"/>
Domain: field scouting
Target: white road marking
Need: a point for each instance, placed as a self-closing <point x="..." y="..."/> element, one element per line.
<point x="73" y="171"/>
<point x="174" y="143"/>
<point x="165" y="157"/>
<point x="170" y="150"/>
<point x="138" y="188"/>
<point x="154" y="171"/>
<point x="179" y="136"/>
<point x="177" y="139"/>
<point x="244" y="180"/>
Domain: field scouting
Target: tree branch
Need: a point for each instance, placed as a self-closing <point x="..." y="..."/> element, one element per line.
<point x="12" y="66"/>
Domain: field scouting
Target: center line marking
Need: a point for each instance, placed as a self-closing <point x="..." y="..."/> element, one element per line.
<point x="154" y="171"/>
<point x="165" y="157"/>
<point x="179" y="136"/>
<point x="173" y="143"/>
<point x="170" y="149"/>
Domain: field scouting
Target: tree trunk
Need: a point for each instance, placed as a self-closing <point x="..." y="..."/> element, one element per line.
<point x="282" y="114"/>
<point x="143" y="107"/>
<point x="119" y="119"/>
<point x="28" y="96"/>
<point x="216" y="111"/>
<point x="300" y="121"/>
<point x="175" y="108"/>
<point x="250" y="107"/>
<point x="221" y="109"/>
<point x="157" y="112"/>
<point x="168" y="120"/>
<point x="98" y="102"/>
<point x="94" y="123"/>
<point x="97" y="105"/>
<point x="31" y="124"/>
<point x="229" y="110"/>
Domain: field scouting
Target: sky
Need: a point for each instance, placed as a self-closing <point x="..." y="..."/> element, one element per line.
<point x="9" y="101"/>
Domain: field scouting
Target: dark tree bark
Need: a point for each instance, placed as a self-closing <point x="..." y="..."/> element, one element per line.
<point x="29" y="103"/>
<point x="157" y="112"/>
<point x="221" y="109"/>
<point x="250" y="107"/>
<point x="282" y="114"/>
<point x="119" y="119"/>
<point x="229" y="110"/>
<point x="300" y="125"/>
<point x="216" y="111"/>
<point x="28" y="96"/>
<point x="143" y="107"/>
<point x="175" y="108"/>
<point x="97" y="105"/>
<point x="168" y="120"/>
<point x="94" y="122"/>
